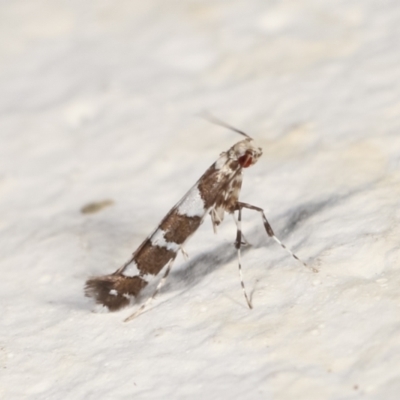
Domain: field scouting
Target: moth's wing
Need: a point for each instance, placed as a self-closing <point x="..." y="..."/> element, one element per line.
<point x="186" y="216"/>
<point x="226" y="199"/>
<point x="206" y="192"/>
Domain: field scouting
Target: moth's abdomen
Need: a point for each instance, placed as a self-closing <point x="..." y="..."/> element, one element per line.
<point x="114" y="291"/>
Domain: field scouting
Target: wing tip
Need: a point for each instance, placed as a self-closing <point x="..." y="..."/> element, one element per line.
<point x="114" y="291"/>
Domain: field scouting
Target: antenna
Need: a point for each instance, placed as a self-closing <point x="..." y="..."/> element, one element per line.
<point x="216" y="121"/>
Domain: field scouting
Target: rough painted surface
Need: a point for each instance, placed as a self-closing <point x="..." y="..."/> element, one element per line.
<point x="98" y="101"/>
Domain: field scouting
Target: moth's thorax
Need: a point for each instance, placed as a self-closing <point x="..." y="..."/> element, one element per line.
<point x="244" y="154"/>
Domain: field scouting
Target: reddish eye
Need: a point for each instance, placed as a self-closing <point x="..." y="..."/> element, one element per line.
<point x="245" y="160"/>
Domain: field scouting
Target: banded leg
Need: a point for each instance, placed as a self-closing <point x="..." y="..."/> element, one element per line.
<point x="270" y="232"/>
<point x="244" y="240"/>
<point x="238" y="245"/>
<point x="150" y="299"/>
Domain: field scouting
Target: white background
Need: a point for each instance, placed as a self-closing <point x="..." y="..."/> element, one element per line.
<point x="99" y="101"/>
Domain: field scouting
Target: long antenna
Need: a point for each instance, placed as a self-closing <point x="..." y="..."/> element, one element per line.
<point x="216" y="121"/>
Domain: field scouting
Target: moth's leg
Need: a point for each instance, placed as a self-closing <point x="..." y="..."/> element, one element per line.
<point x="184" y="254"/>
<point x="238" y="245"/>
<point x="150" y="299"/>
<point x="270" y="232"/>
<point x="244" y="240"/>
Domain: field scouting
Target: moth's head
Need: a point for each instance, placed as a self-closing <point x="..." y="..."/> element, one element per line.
<point x="245" y="152"/>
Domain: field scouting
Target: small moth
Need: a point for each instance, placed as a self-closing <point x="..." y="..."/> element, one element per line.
<point x="215" y="193"/>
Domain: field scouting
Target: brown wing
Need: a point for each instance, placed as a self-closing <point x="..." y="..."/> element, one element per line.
<point x="226" y="199"/>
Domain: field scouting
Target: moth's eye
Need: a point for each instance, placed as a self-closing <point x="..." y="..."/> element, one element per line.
<point x="246" y="160"/>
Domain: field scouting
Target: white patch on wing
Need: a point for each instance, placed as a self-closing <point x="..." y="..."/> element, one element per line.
<point x="221" y="161"/>
<point x="158" y="239"/>
<point x="192" y="205"/>
<point x="132" y="269"/>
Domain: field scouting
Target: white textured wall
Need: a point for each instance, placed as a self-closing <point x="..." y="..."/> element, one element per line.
<point x="98" y="100"/>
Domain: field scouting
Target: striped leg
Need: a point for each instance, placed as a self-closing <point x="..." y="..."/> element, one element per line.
<point x="150" y="299"/>
<point x="270" y="232"/>
<point x="238" y="245"/>
<point x="244" y="240"/>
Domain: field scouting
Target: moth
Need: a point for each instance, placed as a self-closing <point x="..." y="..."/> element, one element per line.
<point x="215" y="193"/>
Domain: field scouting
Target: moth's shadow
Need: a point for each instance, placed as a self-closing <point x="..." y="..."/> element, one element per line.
<point x="193" y="271"/>
<point x="196" y="269"/>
